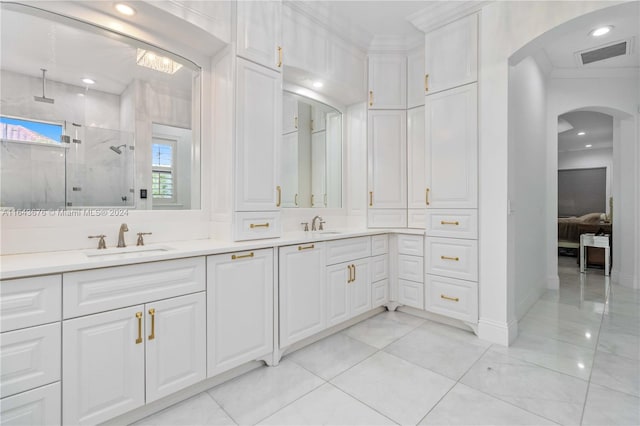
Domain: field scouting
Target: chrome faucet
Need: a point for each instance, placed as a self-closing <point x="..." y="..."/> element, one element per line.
<point x="313" y="224"/>
<point x="123" y="229"/>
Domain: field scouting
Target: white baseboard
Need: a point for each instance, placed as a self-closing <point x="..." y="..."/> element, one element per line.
<point x="553" y="282"/>
<point x="525" y="304"/>
<point x="625" y="280"/>
<point x="498" y="332"/>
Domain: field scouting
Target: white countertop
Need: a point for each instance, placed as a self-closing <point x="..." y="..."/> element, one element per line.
<point x="24" y="265"/>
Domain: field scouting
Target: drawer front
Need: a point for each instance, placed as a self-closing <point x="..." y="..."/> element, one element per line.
<point x="257" y="225"/>
<point x="29" y="358"/>
<point x="452" y="223"/>
<point x="410" y="268"/>
<point x="26" y="302"/>
<point x="379" y="268"/>
<point x="379" y="293"/>
<point x="99" y="290"/>
<point x="454" y="258"/>
<point x="416" y="218"/>
<point x="348" y="249"/>
<point x="411" y="294"/>
<point x="39" y="406"/>
<point x="410" y="244"/>
<point x="379" y="245"/>
<point x="387" y="218"/>
<point x="452" y="298"/>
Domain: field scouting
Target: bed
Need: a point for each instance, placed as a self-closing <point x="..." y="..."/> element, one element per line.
<point x="568" y="228"/>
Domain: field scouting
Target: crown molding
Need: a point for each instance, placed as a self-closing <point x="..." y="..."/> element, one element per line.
<point x="441" y="13"/>
<point x="397" y="44"/>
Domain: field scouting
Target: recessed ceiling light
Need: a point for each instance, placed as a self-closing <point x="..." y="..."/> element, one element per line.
<point x="600" y="31"/>
<point x="88" y="81"/>
<point x="318" y="84"/>
<point x="580" y="365"/>
<point x="125" y="9"/>
<point x="581" y="133"/>
<point x="587" y="335"/>
<point x="588" y="146"/>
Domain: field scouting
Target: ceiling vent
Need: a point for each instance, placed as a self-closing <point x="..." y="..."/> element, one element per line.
<point x="612" y="50"/>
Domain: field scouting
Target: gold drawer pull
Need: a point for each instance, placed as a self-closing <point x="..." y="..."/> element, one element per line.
<point x="453" y="299"/>
<point x="354" y="273"/>
<point x="370" y="97"/>
<point x="444" y="222"/>
<point x="279" y="56"/>
<point x="312" y="200"/>
<point x="449" y="258"/>
<point x="370" y="198"/>
<point x="279" y="202"/>
<point x="295" y="122"/>
<point x="295" y="200"/>
<point x="152" y="312"/>
<point x="350" y="274"/>
<point x="241" y="256"/>
<point x="306" y="248"/>
<point x="426" y="82"/>
<point x="259" y="225"/>
<point x="139" y="316"/>
<point x="426" y="197"/>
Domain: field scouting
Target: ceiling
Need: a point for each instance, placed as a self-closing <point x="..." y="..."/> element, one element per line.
<point x="598" y="128"/>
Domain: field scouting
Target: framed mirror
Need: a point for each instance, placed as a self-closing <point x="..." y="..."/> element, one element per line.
<point x="311" y="153"/>
<point x="92" y="118"/>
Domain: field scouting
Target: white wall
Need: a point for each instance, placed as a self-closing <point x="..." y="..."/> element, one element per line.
<point x="527" y="183"/>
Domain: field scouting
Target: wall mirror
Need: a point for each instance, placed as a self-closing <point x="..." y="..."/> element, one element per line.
<point x="94" y="119"/>
<point x="311" y="153"/>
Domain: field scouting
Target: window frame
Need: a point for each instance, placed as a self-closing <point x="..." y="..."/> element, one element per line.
<point x="162" y="140"/>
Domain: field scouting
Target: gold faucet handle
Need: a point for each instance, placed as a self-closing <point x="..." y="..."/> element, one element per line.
<point x="141" y="238"/>
<point x="101" y="243"/>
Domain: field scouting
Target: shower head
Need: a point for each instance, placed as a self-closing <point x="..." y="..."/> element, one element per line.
<point x="117" y="149"/>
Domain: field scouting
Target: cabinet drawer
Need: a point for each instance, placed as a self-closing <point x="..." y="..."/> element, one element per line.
<point x="379" y="268"/>
<point x="379" y="245"/>
<point x="257" y="225"/>
<point x="411" y="267"/>
<point x="451" y="297"/>
<point x="416" y="218"/>
<point x="411" y="294"/>
<point x="348" y="249"/>
<point x="450" y="257"/>
<point x="379" y="293"/>
<point x="387" y="218"/>
<point x="26" y="302"/>
<point x="39" y="406"/>
<point x="410" y="244"/>
<point x="98" y="290"/>
<point x="452" y="223"/>
<point x="29" y="358"/>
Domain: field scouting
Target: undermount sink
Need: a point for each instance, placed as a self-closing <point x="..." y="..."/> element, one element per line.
<point x="126" y="251"/>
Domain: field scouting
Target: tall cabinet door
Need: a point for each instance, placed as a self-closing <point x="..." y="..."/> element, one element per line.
<point x="240" y="308"/>
<point x="416" y="81"/>
<point x="289" y="179"/>
<point x="415" y="159"/>
<point x="103" y="365"/>
<point x="259" y="32"/>
<point x="258" y="130"/>
<point x="387" y="81"/>
<point x="387" y="135"/>
<point x="176" y="344"/>
<point x="302" y="292"/>
<point x="451" y="55"/>
<point x="289" y="114"/>
<point x="338" y="279"/>
<point x="318" y="169"/>
<point x="360" y="288"/>
<point x="451" y="151"/>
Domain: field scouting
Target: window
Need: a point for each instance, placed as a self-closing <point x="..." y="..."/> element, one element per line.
<point x="163" y="171"/>
<point x="18" y="129"/>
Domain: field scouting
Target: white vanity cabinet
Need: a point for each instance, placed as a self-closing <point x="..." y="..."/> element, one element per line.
<point x="416" y="173"/>
<point x="240" y="308"/>
<point x="302" y="291"/>
<point x="411" y="270"/>
<point x="348" y="290"/>
<point x="259" y="32"/>
<point x="387" y="81"/>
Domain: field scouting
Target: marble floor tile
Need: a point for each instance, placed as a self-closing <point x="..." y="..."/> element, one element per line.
<point x="466" y="406"/>
<point x="550" y="394"/>
<point x="619" y="341"/>
<point x="196" y="411"/>
<point x="403" y="318"/>
<point x="378" y="331"/>
<point x="398" y="389"/>
<point x="261" y="392"/>
<point x="552" y="354"/>
<point x="581" y="334"/>
<point x="443" y="349"/>
<point x="617" y="373"/>
<point x="327" y="405"/>
<point x="331" y="356"/>
<point x="587" y="313"/>
<point x="607" y="407"/>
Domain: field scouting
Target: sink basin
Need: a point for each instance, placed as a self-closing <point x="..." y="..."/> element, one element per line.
<point x="126" y="251"/>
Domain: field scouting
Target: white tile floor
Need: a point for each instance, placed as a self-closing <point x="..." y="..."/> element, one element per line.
<point x="576" y="361"/>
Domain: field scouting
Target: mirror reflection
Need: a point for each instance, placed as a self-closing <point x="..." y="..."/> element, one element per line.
<point x="311" y="153"/>
<point x="92" y="118"/>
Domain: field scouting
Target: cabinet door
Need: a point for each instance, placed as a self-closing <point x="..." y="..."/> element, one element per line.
<point x="415" y="159"/>
<point x="318" y="119"/>
<point x="289" y="114"/>
<point x="40" y="406"/>
<point x="411" y="293"/>
<point x="387" y="135"/>
<point x="259" y="32"/>
<point x="239" y="308"/>
<point x="302" y="288"/>
<point x="290" y="170"/>
<point x="103" y="365"/>
<point x="451" y="55"/>
<point x="338" y="280"/>
<point x="416" y="83"/>
<point x="451" y="152"/>
<point x="258" y="130"/>
<point x="360" y="288"/>
<point x="318" y="169"/>
<point x="175" y="344"/>
<point x="387" y="81"/>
